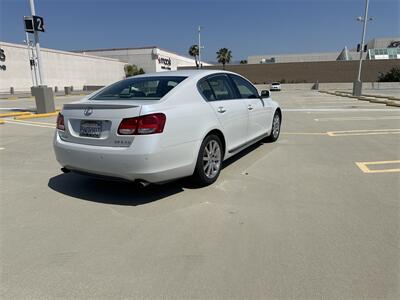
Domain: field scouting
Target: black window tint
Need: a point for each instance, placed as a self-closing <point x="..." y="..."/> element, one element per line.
<point x="246" y="89"/>
<point x="205" y="90"/>
<point x="221" y="87"/>
<point x="142" y="88"/>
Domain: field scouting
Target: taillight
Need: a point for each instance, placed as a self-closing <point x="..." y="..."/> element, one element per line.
<point x="128" y="126"/>
<point x="60" y="122"/>
<point x="142" y="125"/>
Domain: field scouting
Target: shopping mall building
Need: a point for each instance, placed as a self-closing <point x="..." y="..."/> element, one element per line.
<point x="98" y="67"/>
<point x="81" y="68"/>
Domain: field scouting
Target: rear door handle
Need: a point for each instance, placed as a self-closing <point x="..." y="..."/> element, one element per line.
<point x="250" y="107"/>
<point x="221" y="109"/>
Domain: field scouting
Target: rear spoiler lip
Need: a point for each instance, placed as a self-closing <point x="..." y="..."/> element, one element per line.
<point x="98" y="106"/>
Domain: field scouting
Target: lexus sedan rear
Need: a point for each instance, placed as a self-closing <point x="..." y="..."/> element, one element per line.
<point x="158" y="127"/>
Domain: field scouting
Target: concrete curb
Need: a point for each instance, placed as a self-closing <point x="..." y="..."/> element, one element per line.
<point x="362" y="98"/>
<point x="376" y="96"/>
<point x="393" y="103"/>
<point x="35" y="116"/>
<point x="15" y="114"/>
<point x="378" y="101"/>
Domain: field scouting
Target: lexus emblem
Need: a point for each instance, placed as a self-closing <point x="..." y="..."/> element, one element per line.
<point x="88" y="111"/>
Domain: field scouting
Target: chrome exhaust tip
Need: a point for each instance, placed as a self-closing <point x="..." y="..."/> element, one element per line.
<point x="142" y="183"/>
<point x="65" y="170"/>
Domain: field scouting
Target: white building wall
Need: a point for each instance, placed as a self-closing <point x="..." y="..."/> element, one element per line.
<point x="151" y="59"/>
<point x="142" y="58"/>
<point x="61" y="69"/>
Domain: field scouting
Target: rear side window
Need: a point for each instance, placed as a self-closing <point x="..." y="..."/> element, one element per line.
<point x="245" y="88"/>
<point x="221" y="87"/>
<point x="205" y="90"/>
<point x="142" y="88"/>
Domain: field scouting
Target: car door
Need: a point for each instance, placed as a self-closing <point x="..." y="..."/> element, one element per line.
<point x="259" y="109"/>
<point x="230" y="110"/>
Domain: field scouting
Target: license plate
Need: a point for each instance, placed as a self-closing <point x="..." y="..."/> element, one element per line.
<point x="90" y="129"/>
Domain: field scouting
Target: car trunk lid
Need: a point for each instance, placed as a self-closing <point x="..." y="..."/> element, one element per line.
<point x="96" y="122"/>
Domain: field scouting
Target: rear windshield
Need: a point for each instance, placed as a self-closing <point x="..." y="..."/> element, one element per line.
<point x="276" y="83"/>
<point x="142" y="88"/>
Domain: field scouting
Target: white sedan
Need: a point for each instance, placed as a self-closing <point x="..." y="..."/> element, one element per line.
<point x="275" y="86"/>
<point x="153" y="128"/>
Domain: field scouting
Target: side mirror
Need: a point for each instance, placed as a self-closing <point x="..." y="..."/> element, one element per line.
<point x="265" y="94"/>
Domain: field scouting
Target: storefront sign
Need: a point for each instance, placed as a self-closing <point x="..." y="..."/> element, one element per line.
<point x="164" y="61"/>
<point x="2" y="59"/>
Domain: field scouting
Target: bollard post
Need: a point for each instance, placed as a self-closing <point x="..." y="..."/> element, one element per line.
<point x="55" y="89"/>
<point x="12" y="90"/>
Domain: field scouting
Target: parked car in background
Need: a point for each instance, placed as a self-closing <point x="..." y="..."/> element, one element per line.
<point x="275" y="86"/>
<point x="157" y="127"/>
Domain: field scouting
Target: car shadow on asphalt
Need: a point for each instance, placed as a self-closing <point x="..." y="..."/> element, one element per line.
<point x="112" y="192"/>
<point x="123" y="192"/>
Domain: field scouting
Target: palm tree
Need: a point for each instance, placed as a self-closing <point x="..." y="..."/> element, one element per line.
<point x="224" y="56"/>
<point x="194" y="52"/>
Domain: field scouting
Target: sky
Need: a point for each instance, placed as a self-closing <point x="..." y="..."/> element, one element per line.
<point x="245" y="27"/>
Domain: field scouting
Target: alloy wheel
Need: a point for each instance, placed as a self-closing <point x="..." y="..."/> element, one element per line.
<point x="276" y="126"/>
<point x="211" y="159"/>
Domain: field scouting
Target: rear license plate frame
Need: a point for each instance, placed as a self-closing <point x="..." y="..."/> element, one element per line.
<point x="90" y="128"/>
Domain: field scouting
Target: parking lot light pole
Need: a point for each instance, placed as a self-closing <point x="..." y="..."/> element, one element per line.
<point x="357" y="86"/>
<point x="37" y="45"/>
<point x="43" y="94"/>
<point x="31" y="58"/>
<point x="200" y="46"/>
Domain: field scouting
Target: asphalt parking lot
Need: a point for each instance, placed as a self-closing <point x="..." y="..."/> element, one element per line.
<point x="314" y="215"/>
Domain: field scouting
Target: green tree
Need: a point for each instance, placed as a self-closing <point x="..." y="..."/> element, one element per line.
<point x="194" y="52"/>
<point x="224" y="56"/>
<point x="132" y="70"/>
<point x="392" y="76"/>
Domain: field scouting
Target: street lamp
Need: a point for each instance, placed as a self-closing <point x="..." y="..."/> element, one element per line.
<point x="199" y="45"/>
<point x="357" y="86"/>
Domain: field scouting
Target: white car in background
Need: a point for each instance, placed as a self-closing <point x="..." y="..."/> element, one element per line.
<point x="153" y="128"/>
<point x="275" y="86"/>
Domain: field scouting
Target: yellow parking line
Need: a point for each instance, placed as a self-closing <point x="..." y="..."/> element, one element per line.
<point x="2" y="122"/>
<point x="34" y="116"/>
<point x="364" y="166"/>
<point x="12" y="98"/>
<point x="363" y="132"/>
<point x="15" y="114"/>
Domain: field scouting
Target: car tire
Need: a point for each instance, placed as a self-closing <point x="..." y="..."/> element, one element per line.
<point x="276" y="128"/>
<point x="209" y="161"/>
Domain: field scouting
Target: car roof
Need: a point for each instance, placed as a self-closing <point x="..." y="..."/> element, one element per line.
<point x="192" y="73"/>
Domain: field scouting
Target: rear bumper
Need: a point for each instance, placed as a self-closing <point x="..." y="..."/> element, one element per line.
<point x="157" y="164"/>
